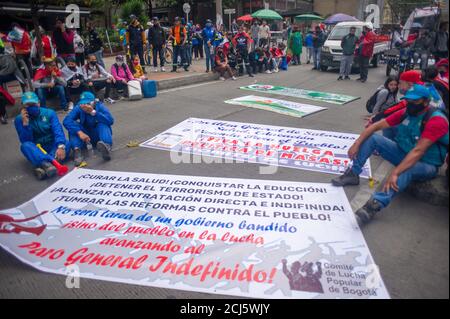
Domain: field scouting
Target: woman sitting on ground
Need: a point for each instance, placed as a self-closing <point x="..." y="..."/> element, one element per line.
<point x="222" y="66"/>
<point x="137" y="69"/>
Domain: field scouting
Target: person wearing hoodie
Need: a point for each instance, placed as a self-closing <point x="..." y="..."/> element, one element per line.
<point x="74" y="77"/>
<point x="39" y="129"/>
<point x="364" y="51"/>
<point x="89" y="122"/>
<point x="49" y="81"/>
<point x="97" y="78"/>
<point x="242" y="42"/>
<point x="295" y="44"/>
<point x="208" y="36"/>
<point x="121" y="74"/>
<point x="157" y="42"/>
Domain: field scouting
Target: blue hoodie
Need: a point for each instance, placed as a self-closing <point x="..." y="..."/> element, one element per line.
<point x="78" y="120"/>
<point x="208" y="34"/>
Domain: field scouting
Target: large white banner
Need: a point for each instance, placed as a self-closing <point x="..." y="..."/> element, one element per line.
<point x="278" y="106"/>
<point x="254" y="238"/>
<point x="320" y="151"/>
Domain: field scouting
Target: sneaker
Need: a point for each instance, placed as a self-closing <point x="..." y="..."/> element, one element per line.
<point x="105" y="150"/>
<point x="347" y="78"/>
<point x="340" y="78"/>
<point x="70" y="106"/>
<point x="110" y="100"/>
<point x="173" y="70"/>
<point x="363" y="80"/>
<point x="163" y="70"/>
<point x="77" y="157"/>
<point x="39" y="173"/>
<point x="348" y="178"/>
<point x="268" y="72"/>
<point x="308" y="62"/>
<point x="251" y="75"/>
<point x="155" y="70"/>
<point x="222" y="78"/>
<point x="366" y="213"/>
<point x="207" y="71"/>
<point x="49" y="169"/>
<point x="3" y="120"/>
<point x="358" y="79"/>
<point x="233" y="78"/>
<point x="276" y="70"/>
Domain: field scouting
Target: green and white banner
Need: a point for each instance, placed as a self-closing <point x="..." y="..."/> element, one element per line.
<point x="300" y="93"/>
<point x="278" y="106"/>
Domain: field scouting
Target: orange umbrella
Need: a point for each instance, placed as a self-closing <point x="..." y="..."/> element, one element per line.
<point x="245" y="18"/>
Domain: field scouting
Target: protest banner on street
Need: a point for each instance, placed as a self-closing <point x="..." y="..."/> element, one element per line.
<point x="253" y="238"/>
<point x="278" y="106"/>
<point x="313" y="150"/>
<point x="300" y="93"/>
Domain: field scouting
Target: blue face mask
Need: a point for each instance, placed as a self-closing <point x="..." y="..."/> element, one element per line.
<point x="33" y="110"/>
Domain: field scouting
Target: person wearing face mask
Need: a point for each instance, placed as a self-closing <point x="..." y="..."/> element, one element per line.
<point x="419" y="149"/>
<point x="76" y="82"/>
<point x="89" y="122"/>
<point x="97" y="78"/>
<point x="442" y="67"/>
<point x="37" y="125"/>
<point x="122" y="74"/>
<point x="208" y="35"/>
<point x="136" y="38"/>
<point x="49" y="81"/>
<point x="137" y="69"/>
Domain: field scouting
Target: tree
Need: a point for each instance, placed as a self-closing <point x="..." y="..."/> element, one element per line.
<point x="135" y="7"/>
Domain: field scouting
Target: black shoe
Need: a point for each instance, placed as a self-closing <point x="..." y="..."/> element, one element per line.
<point x="308" y="62"/>
<point x="251" y="75"/>
<point x="105" y="150"/>
<point x="363" y="80"/>
<point x="49" y="169"/>
<point x="39" y="173"/>
<point x="347" y="78"/>
<point x="348" y="178"/>
<point x="173" y="70"/>
<point x="340" y="78"/>
<point x="314" y="68"/>
<point x="366" y="213"/>
<point x="77" y="157"/>
<point x="3" y="120"/>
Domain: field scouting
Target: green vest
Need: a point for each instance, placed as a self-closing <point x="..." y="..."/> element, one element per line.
<point x="409" y="133"/>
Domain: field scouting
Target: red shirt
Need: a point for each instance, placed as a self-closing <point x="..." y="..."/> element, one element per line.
<point x="434" y="129"/>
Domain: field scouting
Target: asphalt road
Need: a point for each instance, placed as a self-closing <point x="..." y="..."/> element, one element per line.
<point x="409" y="241"/>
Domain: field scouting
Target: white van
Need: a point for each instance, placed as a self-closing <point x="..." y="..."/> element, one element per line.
<point x="331" y="54"/>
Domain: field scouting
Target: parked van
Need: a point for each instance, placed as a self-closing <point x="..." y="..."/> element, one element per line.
<point x="331" y="54"/>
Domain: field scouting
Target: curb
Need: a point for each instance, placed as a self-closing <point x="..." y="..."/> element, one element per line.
<point x="52" y="103"/>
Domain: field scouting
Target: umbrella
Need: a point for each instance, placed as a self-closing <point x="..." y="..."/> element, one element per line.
<point x="267" y="14"/>
<point x="339" y="17"/>
<point x="245" y="18"/>
<point x="308" y="17"/>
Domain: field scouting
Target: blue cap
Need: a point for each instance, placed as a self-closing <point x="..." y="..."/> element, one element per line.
<point x="86" y="98"/>
<point x="417" y="92"/>
<point x="30" y="98"/>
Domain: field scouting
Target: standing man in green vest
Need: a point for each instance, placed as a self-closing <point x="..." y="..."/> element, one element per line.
<point x="419" y="149"/>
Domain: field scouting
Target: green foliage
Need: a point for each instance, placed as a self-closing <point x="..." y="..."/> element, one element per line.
<point x="136" y="7"/>
<point x="167" y="3"/>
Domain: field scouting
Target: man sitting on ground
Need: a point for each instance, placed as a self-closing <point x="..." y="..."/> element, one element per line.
<point x="97" y="78"/>
<point x="48" y="81"/>
<point x="36" y="127"/>
<point x="89" y="122"/>
<point x="419" y="149"/>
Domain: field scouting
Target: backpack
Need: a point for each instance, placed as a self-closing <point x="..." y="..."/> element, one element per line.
<point x="370" y="104"/>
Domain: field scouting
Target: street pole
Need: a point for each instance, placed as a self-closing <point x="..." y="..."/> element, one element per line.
<point x="219" y="19"/>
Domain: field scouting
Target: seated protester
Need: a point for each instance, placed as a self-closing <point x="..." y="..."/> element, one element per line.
<point x="122" y="74"/>
<point x="227" y="43"/>
<point x="49" y="81"/>
<point x="89" y="122"/>
<point x="76" y="82"/>
<point x="268" y="55"/>
<point x="137" y="70"/>
<point x="277" y="55"/>
<point x="442" y="67"/>
<point x="386" y="95"/>
<point x="221" y="64"/>
<point x="418" y="151"/>
<point x="258" y="61"/>
<point x="5" y="99"/>
<point x="406" y="82"/>
<point x="97" y="78"/>
<point x="9" y="70"/>
<point x="428" y="76"/>
<point x="40" y="126"/>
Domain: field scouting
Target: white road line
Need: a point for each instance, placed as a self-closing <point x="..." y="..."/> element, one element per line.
<point x="187" y="87"/>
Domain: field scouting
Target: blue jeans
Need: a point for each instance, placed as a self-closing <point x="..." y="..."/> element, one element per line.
<point x="178" y="51"/>
<point x="316" y="57"/>
<point x="36" y="157"/>
<point x="391" y="152"/>
<point x="209" y="57"/>
<point x="59" y="90"/>
<point x="390" y="133"/>
<point x="99" y="55"/>
<point x="101" y="132"/>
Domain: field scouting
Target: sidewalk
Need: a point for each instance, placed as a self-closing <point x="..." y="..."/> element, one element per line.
<point x="168" y="80"/>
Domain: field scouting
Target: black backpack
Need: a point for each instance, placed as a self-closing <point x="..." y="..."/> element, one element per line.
<point x="370" y="104"/>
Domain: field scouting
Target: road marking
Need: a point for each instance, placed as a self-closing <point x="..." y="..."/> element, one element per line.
<point x="187" y="87"/>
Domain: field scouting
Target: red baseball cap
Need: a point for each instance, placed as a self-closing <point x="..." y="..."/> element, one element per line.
<point x="412" y="76"/>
